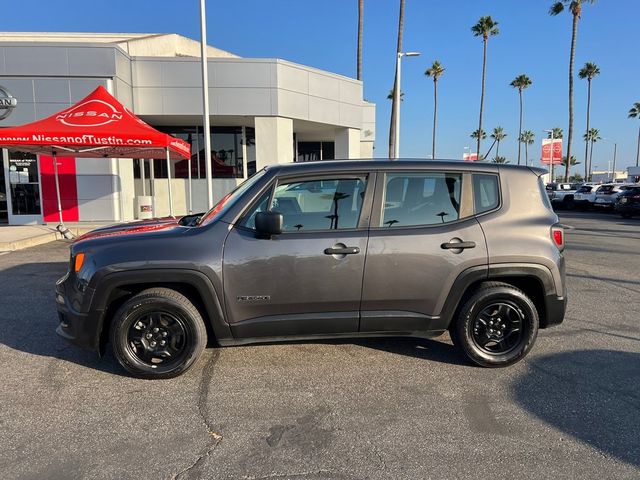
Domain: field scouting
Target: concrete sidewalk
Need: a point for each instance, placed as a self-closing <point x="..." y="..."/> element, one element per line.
<point x="17" y="237"/>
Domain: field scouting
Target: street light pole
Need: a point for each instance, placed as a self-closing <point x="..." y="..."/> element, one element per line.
<point x="550" y="154"/>
<point x="205" y="103"/>
<point x="396" y="100"/>
<point x="613" y="170"/>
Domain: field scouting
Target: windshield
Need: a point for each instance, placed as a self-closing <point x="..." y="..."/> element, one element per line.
<point x="230" y="199"/>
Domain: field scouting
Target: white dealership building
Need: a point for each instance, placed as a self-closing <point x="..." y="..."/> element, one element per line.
<point x="262" y="111"/>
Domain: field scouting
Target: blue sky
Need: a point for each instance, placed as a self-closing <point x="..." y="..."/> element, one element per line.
<point x="323" y="34"/>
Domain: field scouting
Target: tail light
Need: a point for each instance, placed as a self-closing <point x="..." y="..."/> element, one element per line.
<point x="557" y="235"/>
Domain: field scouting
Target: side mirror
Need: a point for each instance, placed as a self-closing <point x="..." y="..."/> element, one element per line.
<point x="269" y="223"/>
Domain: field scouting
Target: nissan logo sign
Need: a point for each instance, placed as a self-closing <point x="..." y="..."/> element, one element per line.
<point x="7" y="103"/>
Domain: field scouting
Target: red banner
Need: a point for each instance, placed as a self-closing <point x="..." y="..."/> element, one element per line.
<point x="557" y="151"/>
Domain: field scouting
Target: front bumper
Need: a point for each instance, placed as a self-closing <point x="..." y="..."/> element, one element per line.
<point x="555" y="307"/>
<point x="75" y="326"/>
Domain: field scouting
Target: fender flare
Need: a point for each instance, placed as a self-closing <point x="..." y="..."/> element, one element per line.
<point x="481" y="273"/>
<point x="194" y="278"/>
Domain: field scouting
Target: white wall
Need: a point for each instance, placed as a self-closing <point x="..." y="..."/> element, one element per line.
<point x="180" y="193"/>
<point x="274" y="141"/>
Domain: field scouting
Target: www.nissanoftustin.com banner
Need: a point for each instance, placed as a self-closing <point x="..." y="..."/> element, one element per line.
<point x="547" y="148"/>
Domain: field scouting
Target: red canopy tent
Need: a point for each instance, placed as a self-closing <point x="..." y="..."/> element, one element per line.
<point x="98" y="126"/>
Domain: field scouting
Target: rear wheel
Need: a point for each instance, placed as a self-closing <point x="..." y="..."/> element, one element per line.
<point x="158" y="333"/>
<point x="497" y="326"/>
<point x="568" y="203"/>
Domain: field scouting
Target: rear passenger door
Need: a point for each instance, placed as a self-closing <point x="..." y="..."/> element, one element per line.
<point x="423" y="234"/>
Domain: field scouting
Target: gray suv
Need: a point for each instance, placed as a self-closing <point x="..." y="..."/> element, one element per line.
<point x="327" y="250"/>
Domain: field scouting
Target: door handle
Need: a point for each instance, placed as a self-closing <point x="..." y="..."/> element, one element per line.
<point x="458" y="245"/>
<point x="341" y="251"/>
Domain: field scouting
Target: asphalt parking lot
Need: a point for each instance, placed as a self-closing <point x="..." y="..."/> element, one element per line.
<point x="393" y="408"/>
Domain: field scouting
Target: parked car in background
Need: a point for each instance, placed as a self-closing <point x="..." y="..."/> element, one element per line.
<point x="607" y="194"/>
<point x="562" y="194"/>
<point x="628" y="202"/>
<point x="585" y="196"/>
<point x="469" y="248"/>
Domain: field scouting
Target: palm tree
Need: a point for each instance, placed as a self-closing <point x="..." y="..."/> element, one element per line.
<point x="634" y="112"/>
<point x="485" y="28"/>
<point x="390" y="96"/>
<point x="479" y="133"/>
<point x="392" y="125"/>
<point x="520" y="82"/>
<point x="557" y="133"/>
<point x="498" y="135"/>
<point x="589" y="71"/>
<point x="435" y="71"/>
<point x="592" y="135"/>
<point x="360" y="31"/>
<point x="572" y="163"/>
<point x="528" y="138"/>
<point x="575" y="8"/>
<point x="498" y="159"/>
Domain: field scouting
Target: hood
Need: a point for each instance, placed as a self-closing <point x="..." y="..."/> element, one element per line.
<point x="133" y="228"/>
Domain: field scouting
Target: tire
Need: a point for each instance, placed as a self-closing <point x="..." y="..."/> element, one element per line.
<point x="568" y="204"/>
<point x="157" y="333"/>
<point x="500" y="344"/>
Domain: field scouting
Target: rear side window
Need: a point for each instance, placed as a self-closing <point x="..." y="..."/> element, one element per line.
<point x="486" y="193"/>
<point x="421" y="198"/>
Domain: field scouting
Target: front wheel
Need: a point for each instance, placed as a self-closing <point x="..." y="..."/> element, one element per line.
<point x="497" y="326"/>
<point x="158" y="333"/>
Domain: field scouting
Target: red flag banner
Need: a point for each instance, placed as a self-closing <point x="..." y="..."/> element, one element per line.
<point x="547" y="148"/>
<point x="470" y="157"/>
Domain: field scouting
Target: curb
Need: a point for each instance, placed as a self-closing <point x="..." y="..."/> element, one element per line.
<point x="40" y="239"/>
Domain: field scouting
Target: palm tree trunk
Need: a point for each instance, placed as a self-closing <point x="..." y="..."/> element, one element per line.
<point x="587" y="166"/>
<point x="360" y="30"/>
<point x="526" y="153"/>
<point x="484" y="70"/>
<point x="392" y="125"/>
<point x="520" y="127"/>
<point x="435" y="117"/>
<point x="497" y="148"/>
<point x="574" y="34"/>
<point x="590" y="161"/>
<point x="638" y="152"/>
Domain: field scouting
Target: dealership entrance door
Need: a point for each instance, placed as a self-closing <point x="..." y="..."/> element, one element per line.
<point x="4" y="214"/>
<point x="22" y="187"/>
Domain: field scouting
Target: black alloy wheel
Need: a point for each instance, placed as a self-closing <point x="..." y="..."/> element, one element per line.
<point x="158" y="333"/>
<point x="496" y="326"/>
<point x="157" y="338"/>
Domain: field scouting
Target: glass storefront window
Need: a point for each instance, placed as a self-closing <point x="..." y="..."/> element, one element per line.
<point x="23" y="184"/>
<point x="250" y="138"/>
<point x="314" y="151"/>
<point x="226" y="154"/>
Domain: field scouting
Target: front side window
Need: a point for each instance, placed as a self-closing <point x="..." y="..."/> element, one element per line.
<point x="421" y="198"/>
<point x="325" y="204"/>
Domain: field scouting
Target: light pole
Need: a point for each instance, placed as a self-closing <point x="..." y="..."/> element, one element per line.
<point x="205" y="102"/>
<point x="464" y="151"/>
<point x="550" y="154"/>
<point x="615" y="152"/>
<point x="396" y="100"/>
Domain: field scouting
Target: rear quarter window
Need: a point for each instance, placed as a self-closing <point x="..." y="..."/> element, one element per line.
<point x="486" y="194"/>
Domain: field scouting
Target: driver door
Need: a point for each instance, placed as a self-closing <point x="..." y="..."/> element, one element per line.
<point x="294" y="284"/>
